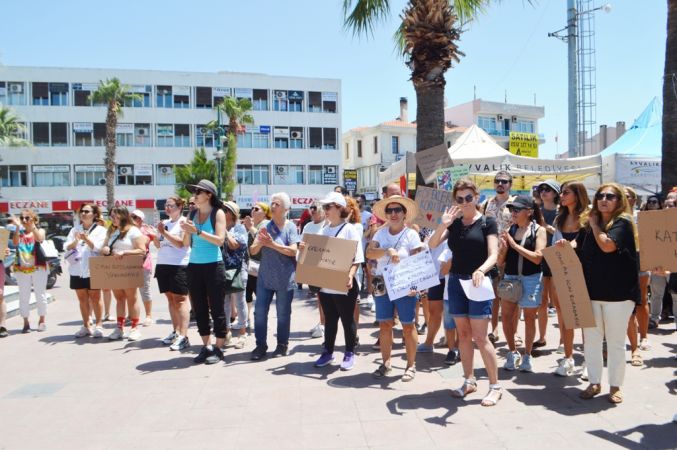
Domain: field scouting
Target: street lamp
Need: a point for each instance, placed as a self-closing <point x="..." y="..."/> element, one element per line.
<point x="576" y="48"/>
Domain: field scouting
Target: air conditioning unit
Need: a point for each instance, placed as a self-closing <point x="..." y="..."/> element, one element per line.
<point x="499" y="117"/>
<point x="281" y="94"/>
<point x="102" y="181"/>
<point x="514" y="119"/>
<point x="281" y="170"/>
<point x="142" y="132"/>
<point x="166" y="170"/>
<point x="330" y="169"/>
<point x="296" y="135"/>
<point x="16" y="88"/>
<point x="125" y="170"/>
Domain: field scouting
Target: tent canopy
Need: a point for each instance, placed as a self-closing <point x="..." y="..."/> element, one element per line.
<point x="476" y="144"/>
<point x="644" y="137"/>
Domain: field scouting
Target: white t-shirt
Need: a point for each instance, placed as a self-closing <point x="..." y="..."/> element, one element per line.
<point x="126" y="243"/>
<point x="405" y="241"/>
<point x="313" y="228"/>
<point x="169" y="254"/>
<point x="440" y="254"/>
<point x="97" y="235"/>
<point x="349" y="231"/>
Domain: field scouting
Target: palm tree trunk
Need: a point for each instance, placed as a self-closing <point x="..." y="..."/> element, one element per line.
<point x="429" y="119"/>
<point x="669" y="163"/>
<point x="109" y="160"/>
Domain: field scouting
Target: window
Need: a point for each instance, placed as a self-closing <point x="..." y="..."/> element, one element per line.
<point x="314" y="174"/>
<point x="314" y="101"/>
<point x="135" y="175"/>
<point x="163" y="97"/>
<point x="347" y="152"/>
<point x="173" y="135"/>
<point x="58" y="94"/>
<point x="124" y="135"/>
<point x="525" y="126"/>
<point x="218" y="94"/>
<point x="182" y="135"/>
<point x="99" y="134"/>
<point x="296" y="137"/>
<point x="82" y="134"/>
<point x="204" y="137"/>
<point x="59" y="133"/>
<point x="315" y="137"/>
<point x="322" y="138"/>
<point x="329" y="100"/>
<point x="359" y="149"/>
<point x="395" y="144"/>
<point x="280" y="102"/>
<point x="165" y="175"/>
<point x="14" y="176"/>
<point x="281" y="137"/>
<point x="253" y="138"/>
<point x="40" y="94"/>
<point x="142" y="91"/>
<point x="90" y="175"/>
<point x="40" y="133"/>
<point x="329" y="137"/>
<point x="375" y="145"/>
<point x="260" y="102"/>
<point x="322" y="174"/>
<point x="245" y="140"/>
<point x="253" y="174"/>
<point x="181" y="97"/>
<point x="261" y="140"/>
<point x="488" y="124"/>
<point x="12" y="93"/>
<point x="45" y="176"/>
<point x="295" y="101"/>
<point x="243" y="93"/>
<point x="288" y="175"/>
<point x="203" y="97"/>
<point x="81" y="93"/>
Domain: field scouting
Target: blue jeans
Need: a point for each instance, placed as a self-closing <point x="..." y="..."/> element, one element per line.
<point x="262" y="305"/>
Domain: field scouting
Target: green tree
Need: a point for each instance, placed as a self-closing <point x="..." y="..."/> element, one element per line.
<point x="669" y="153"/>
<point x="200" y="168"/>
<point x="428" y="39"/>
<point x="238" y="113"/>
<point x="114" y="95"/>
<point x="11" y="129"/>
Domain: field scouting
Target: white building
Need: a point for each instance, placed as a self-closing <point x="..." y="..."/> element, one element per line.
<point x="371" y="150"/>
<point x="293" y="146"/>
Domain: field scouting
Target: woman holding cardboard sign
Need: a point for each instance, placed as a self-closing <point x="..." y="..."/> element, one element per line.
<point x="391" y="245"/>
<point x="126" y="239"/>
<point x="609" y="258"/>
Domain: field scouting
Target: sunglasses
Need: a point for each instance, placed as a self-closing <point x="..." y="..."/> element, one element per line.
<point x="313" y="208"/>
<point x="545" y="189"/>
<point x="135" y="217"/>
<point x="396" y="210"/>
<point x="467" y="199"/>
<point x="256" y="208"/>
<point x="652" y="202"/>
<point x="200" y="191"/>
<point x="605" y="196"/>
<point x="328" y="206"/>
<point x="516" y="210"/>
<point x="501" y="181"/>
<point x="168" y="206"/>
<point x="26" y="218"/>
<point x="86" y="211"/>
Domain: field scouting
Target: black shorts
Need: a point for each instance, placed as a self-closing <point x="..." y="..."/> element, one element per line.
<point x="172" y="279"/>
<point x="546" y="269"/>
<point x="79" y="283"/>
<point x="436" y="292"/>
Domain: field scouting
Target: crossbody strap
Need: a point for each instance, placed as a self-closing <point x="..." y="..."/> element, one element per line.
<point x="520" y="258"/>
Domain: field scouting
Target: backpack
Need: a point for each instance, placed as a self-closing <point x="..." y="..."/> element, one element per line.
<point x="225" y="251"/>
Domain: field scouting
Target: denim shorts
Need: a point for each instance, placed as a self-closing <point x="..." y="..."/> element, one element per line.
<point x="448" y="319"/>
<point x="462" y="306"/>
<point x="385" y="309"/>
<point x="531" y="289"/>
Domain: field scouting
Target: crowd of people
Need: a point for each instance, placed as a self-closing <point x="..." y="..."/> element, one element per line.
<point x="219" y="266"/>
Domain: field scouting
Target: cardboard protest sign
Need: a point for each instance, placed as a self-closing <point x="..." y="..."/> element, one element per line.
<point x="4" y="242"/>
<point x="326" y="261"/>
<point x="658" y="239"/>
<point x="567" y="274"/>
<point x="431" y="203"/>
<point x="431" y="159"/>
<point x="447" y="177"/>
<point x="108" y="272"/>
<point x="416" y="272"/>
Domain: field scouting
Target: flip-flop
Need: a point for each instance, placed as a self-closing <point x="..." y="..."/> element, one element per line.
<point x="409" y="374"/>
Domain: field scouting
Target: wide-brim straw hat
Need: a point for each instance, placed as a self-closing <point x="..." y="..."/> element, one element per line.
<point x="410" y="205"/>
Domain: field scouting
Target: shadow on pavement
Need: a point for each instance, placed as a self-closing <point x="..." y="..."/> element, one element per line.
<point x="70" y="339"/>
<point x="305" y="369"/>
<point x="653" y="436"/>
<point x="440" y="399"/>
<point x="182" y="362"/>
<point x="364" y="381"/>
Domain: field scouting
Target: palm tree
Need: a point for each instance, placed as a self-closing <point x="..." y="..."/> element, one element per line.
<point x="11" y="129"/>
<point x="200" y="168"/>
<point x="427" y="39"/>
<point x="237" y="111"/>
<point x="112" y="94"/>
<point x="669" y="163"/>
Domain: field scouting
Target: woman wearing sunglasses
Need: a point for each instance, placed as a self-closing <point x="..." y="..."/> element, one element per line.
<point x="29" y="271"/>
<point x="521" y="247"/>
<point x="392" y="244"/>
<point x="125" y="239"/>
<point x="260" y="215"/>
<point x="609" y="258"/>
<point x="170" y="272"/>
<point x="85" y="240"/>
<point x="473" y="241"/>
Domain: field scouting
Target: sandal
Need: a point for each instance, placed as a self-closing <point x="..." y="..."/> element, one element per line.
<point x="468" y="387"/>
<point x="409" y="374"/>
<point x="382" y="371"/>
<point x="590" y="391"/>
<point x="493" y="396"/>
<point x="539" y="344"/>
<point x="636" y="359"/>
<point x="518" y="341"/>
<point x="616" y="397"/>
<point x="493" y="338"/>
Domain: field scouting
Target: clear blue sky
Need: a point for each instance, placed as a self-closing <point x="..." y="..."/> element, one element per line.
<point x="507" y="50"/>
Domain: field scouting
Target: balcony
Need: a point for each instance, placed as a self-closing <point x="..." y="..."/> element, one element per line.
<point x="506" y="133"/>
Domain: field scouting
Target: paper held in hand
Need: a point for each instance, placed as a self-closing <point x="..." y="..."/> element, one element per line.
<point x="658" y="239"/>
<point x="416" y="272"/>
<point x="482" y="293"/>
<point x="567" y="274"/>
<point x="4" y="242"/>
<point x="108" y="272"/>
<point x="326" y="261"/>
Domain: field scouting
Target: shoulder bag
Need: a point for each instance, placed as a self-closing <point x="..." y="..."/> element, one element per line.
<point x="511" y="290"/>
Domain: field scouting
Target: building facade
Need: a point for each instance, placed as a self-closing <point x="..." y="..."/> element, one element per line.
<point x="294" y="145"/>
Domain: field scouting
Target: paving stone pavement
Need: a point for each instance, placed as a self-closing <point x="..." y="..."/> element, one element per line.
<point x="59" y="392"/>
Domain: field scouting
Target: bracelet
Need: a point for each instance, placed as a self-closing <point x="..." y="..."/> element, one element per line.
<point x="198" y="231"/>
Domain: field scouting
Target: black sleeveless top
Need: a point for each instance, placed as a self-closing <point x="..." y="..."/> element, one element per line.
<point x="511" y="259"/>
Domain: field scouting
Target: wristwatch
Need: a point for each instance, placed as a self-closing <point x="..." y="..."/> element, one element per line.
<point x="198" y="232"/>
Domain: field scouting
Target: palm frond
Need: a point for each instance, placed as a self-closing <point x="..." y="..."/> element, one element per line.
<point x="361" y="16"/>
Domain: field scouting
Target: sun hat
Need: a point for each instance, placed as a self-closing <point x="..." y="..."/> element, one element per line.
<point x="333" y="197"/>
<point x="379" y="209"/>
<point x="552" y="184"/>
<point x="205" y="185"/>
<point x="521" y="201"/>
<point x="232" y="207"/>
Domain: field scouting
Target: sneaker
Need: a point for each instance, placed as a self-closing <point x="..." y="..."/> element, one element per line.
<point x="584" y="373"/>
<point x="258" y="353"/>
<point x="26" y="329"/>
<point x="203" y="355"/>
<point x="180" y="343"/>
<point x="280" y="350"/>
<point x="452" y="358"/>
<point x="42" y="326"/>
<point x="376" y="345"/>
<point x="442" y="343"/>
<point x="526" y="365"/>
<point x="107" y="318"/>
<point x="373" y="307"/>
<point x="317" y="331"/>
<point x="424" y="348"/>
<point x="97" y="333"/>
<point x="560" y="349"/>
<point x="512" y="361"/>
<point x="215" y="356"/>
<point x="421" y="330"/>
<point x="644" y="345"/>
<point x="83" y="331"/>
<point x="240" y="342"/>
<point x="3" y="332"/>
<point x="565" y="368"/>
<point x="348" y="361"/>
<point x="134" y="335"/>
<point x="325" y="359"/>
<point x="552" y="312"/>
<point x="228" y="339"/>
<point x="169" y="340"/>
<point x="148" y="321"/>
<point x="116" y="335"/>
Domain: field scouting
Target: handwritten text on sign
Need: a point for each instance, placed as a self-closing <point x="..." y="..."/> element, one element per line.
<point x="431" y="159"/>
<point x="567" y="274"/>
<point x="658" y="239"/>
<point x="108" y="272"/>
<point x="431" y="203"/>
<point x="416" y="273"/>
<point x="326" y="261"/>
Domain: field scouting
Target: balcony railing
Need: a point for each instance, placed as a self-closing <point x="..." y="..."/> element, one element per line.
<point x="506" y="133"/>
